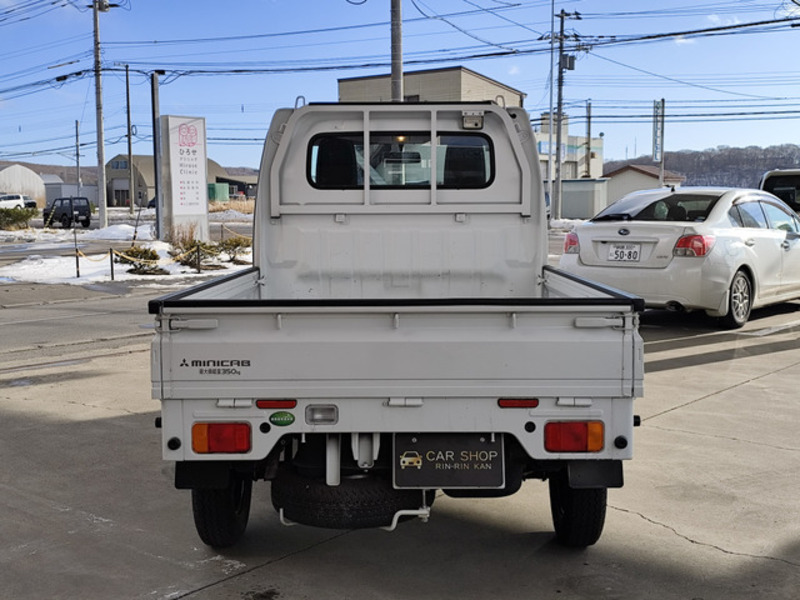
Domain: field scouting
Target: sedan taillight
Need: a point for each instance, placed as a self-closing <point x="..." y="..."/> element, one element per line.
<point x="571" y="243"/>
<point x="694" y="245"/>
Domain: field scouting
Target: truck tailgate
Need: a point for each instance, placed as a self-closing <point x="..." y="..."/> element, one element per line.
<point x="339" y="349"/>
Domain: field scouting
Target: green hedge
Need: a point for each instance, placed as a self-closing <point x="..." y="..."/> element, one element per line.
<point x="16" y="218"/>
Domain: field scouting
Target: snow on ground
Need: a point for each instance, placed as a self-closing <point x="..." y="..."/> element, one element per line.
<point x="40" y="268"/>
<point x="564" y="224"/>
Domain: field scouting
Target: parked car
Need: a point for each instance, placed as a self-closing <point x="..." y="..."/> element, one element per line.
<point x="721" y="250"/>
<point x="68" y="210"/>
<point x="17" y="201"/>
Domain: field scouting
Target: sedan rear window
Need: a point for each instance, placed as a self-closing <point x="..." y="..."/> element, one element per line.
<point x="657" y="207"/>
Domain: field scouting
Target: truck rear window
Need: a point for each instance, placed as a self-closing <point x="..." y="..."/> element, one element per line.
<point x="400" y="160"/>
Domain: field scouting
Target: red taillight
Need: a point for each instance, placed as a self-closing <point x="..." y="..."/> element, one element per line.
<point x="571" y="243"/>
<point x="517" y="402"/>
<point x="694" y="245"/>
<point x="574" y="436"/>
<point x="227" y="438"/>
<point x="276" y="403"/>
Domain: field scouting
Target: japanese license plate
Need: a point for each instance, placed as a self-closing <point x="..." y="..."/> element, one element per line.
<point x="624" y="252"/>
<point x="448" y="460"/>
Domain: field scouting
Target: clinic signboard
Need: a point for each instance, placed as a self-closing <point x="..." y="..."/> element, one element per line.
<point x="184" y="174"/>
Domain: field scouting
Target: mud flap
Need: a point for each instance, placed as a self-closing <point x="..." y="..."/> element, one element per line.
<point x="589" y="474"/>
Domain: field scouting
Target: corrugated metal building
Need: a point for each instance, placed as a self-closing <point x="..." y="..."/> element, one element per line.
<point x="16" y="179"/>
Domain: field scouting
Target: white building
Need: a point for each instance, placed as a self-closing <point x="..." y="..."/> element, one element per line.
<point x="632" y="178"/>
<point x="16" y="179"/>
<point x="578" y="159"/>
<point x="455" y="84"/>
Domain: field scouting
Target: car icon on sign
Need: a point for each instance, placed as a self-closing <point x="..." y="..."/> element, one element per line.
<point x="410" y="458"/>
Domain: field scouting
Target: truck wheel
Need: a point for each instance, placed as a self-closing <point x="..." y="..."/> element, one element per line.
<point x="86" y="223"/>
<point x="578" y="514"/>
<point x="356" y="503"/>
<point x="65" y="221"/>
<point x="220" y="516"/>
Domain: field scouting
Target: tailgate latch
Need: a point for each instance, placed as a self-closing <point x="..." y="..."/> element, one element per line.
<point x="193" y="323"/>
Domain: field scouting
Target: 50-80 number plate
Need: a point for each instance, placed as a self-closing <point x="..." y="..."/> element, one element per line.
<point x="624" y="252"/>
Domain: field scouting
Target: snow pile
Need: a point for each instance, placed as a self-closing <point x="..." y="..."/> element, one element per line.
<point x="38" y="268"/>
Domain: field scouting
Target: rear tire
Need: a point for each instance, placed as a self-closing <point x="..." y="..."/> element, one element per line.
<point x="221" y="516"/>
<point x="740" y="301"/>
<point x="578" y="514"/>
<point x="65" y="222"/>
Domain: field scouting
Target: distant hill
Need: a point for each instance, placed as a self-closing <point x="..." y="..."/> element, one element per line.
<point x="725" y="166"/>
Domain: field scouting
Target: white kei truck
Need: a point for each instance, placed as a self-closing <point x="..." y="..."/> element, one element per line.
<point x="399" y="336"/>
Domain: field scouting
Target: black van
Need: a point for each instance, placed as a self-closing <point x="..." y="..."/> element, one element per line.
<point x="67" y="210"/>
<point x="785" y="184"/>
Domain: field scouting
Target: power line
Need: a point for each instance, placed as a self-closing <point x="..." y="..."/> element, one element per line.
<point x="454" y="26"/>
<point x="280" y="34"/>
<point x="520" y="47"/>
<point x="28" y="9"/>
<point x="682" y="82"/>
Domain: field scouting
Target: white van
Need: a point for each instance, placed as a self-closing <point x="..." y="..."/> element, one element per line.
<point x="785" y="184"/>
<point x="16" y="201"/>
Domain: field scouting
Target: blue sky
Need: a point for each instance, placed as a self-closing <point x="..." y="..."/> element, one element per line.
<point x="738" y="85"/>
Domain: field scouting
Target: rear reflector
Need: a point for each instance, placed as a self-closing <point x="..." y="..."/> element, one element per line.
<point x="276" y="403"/>
<point x="518" y="402"/>
<point x="574" y="436"/>
<point x="226" y="438"/>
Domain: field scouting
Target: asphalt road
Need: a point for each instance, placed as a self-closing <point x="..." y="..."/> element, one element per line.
<point x="708" y="511"/>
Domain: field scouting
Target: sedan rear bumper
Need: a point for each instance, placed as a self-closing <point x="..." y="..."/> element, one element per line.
<point x="687" y="282"/>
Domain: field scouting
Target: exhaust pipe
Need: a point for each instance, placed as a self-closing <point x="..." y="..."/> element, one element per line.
<point x="673" y="306"/>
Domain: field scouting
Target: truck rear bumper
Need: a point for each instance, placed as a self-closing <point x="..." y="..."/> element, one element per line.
<point x="358" y="419"/>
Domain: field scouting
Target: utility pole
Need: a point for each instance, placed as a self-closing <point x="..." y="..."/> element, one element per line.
<point x="588" y="138"/>
<point x="99" y="6"/>
<point x="157" y="153"/>
<point x="565" y="62"/>
<point x="131" y="186"/>
<point x="556" y="197"/>
<point x="78" y="156"/>
<point x="397" y="51"/>
<point x="550" y="108"/>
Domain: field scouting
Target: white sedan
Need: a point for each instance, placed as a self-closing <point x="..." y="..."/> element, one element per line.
<point x="721" y="250"/>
